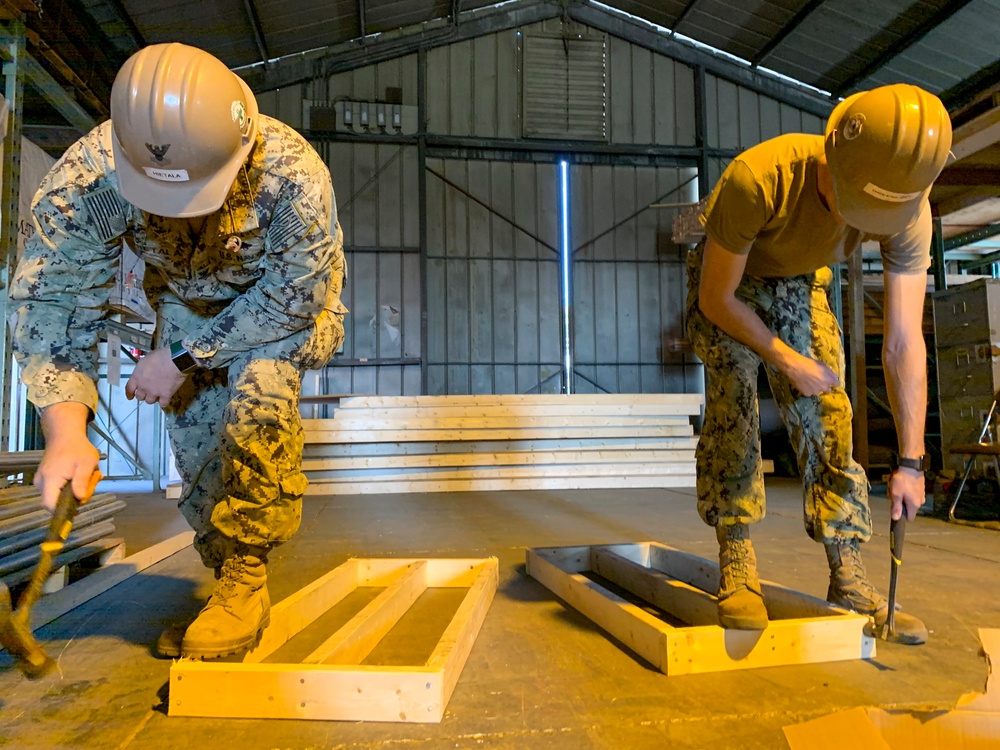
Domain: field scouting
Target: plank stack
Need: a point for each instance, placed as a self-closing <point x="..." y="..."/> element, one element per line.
<point x="397" y="444"/>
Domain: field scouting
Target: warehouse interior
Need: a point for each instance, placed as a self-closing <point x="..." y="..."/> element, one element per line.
<point x="518" y="184"/>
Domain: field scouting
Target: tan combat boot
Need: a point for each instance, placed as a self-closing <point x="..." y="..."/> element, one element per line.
<point x="168" y="645"/>
<point x="235" y="615"/>
<point x="851" y="589"/>
<point x="741" y="602"/>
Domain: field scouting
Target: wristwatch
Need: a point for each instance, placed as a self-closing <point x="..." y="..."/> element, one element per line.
<point x="922" y="463"/>
<point x="181" y="357"/>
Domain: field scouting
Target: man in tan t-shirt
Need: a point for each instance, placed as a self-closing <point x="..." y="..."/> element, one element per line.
<point x="781" y="214"/>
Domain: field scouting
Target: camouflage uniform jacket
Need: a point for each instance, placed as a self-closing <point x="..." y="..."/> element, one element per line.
<point x="263" y="267"/>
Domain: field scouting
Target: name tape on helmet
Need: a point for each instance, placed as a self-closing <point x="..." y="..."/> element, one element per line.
<point x="887" y="195"/>
<point x="167" y="175"/>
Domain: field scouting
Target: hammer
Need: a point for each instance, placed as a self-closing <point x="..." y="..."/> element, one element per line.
<point x="15" y="626"/>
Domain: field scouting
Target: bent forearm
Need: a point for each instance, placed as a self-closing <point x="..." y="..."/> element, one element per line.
<point x="739" y="321"/>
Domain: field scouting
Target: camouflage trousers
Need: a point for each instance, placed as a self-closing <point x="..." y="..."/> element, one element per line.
<point x="729" y="476"/>
<point x="237" y="436"/>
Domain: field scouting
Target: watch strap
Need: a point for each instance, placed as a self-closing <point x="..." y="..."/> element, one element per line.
<point x="921" y="463"/>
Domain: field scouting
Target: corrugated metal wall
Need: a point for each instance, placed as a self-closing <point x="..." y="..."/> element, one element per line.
<point x="629" y="281"/>
<point x="739" y="118"/>
<point x="652" y="97"/>
<point x="492" y="277"/>
<point x="489" y="260"/>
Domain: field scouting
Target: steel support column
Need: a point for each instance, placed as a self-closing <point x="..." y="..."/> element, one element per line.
<point x="858" y="363"/>
<point x="12" y="43"/>
<point x="937" y="254"/>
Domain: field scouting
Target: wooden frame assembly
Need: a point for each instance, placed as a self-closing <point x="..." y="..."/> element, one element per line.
<point x="331" y="683"/>
<point x="802" y="628"/>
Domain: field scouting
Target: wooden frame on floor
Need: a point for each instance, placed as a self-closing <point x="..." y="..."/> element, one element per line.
<point x="802" y="628"/>
<point x="331" y="683"/>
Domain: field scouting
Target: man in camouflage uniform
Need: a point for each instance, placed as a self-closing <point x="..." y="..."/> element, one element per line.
<point x="758" y="286"/>
<point x="233" y="213"/>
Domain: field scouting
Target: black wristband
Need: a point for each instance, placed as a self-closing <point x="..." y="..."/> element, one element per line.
<point x="181" y="357"/>
<point x="923" y="463"/>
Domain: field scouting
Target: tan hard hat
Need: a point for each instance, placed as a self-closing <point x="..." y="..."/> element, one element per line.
<point x="182" y="126"/>
<point x="885" y="148"/>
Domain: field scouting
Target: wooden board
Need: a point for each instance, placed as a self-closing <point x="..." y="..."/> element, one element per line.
<point x="512" y="458"/>
<point x="486" y="433"/>
<point x="57" y="604"/>
<point x="339" y="450"/>
<point x="447" y="410"/>
<point x="485" y="471"/>
<point x="331" y="684"/>
<point x="802" y="629"/>
<point x="693" y="400"/>
<point x="473" y="484"/>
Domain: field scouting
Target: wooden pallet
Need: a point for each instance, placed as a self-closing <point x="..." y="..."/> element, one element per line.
<point x="802" y="628"/>
<point x="332" y="683"/>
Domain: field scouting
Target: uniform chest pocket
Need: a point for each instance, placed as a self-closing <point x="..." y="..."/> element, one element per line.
<point x="240" y="258"/>
<point x="162" y="252"/>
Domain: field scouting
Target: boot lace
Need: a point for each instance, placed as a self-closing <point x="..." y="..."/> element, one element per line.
<point x="737" y="565"/>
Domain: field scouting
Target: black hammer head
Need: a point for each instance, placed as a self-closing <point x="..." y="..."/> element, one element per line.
<point x="16" y="638"/>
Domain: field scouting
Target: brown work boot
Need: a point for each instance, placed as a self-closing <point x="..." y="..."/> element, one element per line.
<point x="235" y="615"/>
<point x="851" y="589"/>
<point x="741" y="602"/>
<point x="168" y="645"/>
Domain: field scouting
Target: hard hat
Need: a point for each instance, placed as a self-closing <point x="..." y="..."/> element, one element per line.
<point x="182" y="126"/>
<point x="885" y="148"/>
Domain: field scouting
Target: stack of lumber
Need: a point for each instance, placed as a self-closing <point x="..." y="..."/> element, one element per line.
<point x="385" y="444"/>
<point x="24" y="524"/>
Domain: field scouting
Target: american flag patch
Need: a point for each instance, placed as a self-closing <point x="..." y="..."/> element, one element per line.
<point x="287" y="226"/>
<point x="107" y="211"/>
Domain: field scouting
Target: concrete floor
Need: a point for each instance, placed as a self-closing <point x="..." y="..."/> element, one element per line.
<point x="539" y="675"/>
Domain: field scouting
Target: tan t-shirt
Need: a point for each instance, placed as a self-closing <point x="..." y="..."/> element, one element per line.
<point x="769" y="196"/>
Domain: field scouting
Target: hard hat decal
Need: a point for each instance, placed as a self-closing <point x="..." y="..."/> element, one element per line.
<point x="887" y="195"/>
<point x="158" y="152"/>
<point x="167" y="175"/>
<point x="239" y="112"/>
<point x="852" y="128"/>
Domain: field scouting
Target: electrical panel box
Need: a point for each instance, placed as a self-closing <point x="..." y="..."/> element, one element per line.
<point x="349" y="116"/>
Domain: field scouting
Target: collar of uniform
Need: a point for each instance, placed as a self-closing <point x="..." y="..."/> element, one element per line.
<point x="239" y="214"/>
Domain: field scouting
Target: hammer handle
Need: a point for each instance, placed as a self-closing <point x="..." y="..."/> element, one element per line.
<point x="59" y="528"/>
<point x="897" y="533"/>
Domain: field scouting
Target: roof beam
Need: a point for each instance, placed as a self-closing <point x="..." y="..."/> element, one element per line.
<point x="684" y="14"/>
<point x="133" y="31"/>
<point x="973" y="136"/>
<point x="793" y="23"/>
<point x="967" y="91"/>
<point x="52" y="91"/>
<point x="258" y="30"/>
<point x="968" y="176"/>
<point x="931" y="23"/>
